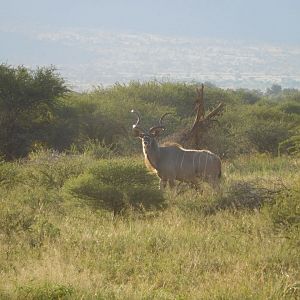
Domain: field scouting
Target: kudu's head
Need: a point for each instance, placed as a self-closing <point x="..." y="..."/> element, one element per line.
<point x="148" y="137"/>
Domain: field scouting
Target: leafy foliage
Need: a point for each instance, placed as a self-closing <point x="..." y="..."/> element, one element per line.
<point x="45" y="291"/>
<point x="28" y="100"/>
<point x="240" y="242"/>
<point x="8" y="174"/>
<point x="290" y="146"/>
<point x="285" y="210"/>
<point x="242" y="195"/>
<point x="51" y="169"/>
<point x="37" y="111"/>
<point x="116" y="185"/>
<point x="55" y="247"/>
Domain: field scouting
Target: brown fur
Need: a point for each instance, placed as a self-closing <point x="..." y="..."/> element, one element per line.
<point x="171" y="144"/>
<point x="149" y="166"/>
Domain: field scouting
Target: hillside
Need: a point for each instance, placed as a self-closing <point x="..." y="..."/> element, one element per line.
<point x="88" y="57"/>
<point x="82" y="218"/>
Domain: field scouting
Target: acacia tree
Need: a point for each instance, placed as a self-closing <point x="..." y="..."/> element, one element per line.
<point x="28" y="100"/>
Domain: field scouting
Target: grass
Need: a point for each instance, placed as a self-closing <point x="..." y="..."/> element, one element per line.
<point x="54" y="247"/>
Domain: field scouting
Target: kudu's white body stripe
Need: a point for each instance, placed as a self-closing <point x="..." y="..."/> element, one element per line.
<point x="195" y="154"/>
<point x="182" y="160"/>
<point x="205" y="164"/>
<point x="199" y="162"/>
<point x="176" y="165"/>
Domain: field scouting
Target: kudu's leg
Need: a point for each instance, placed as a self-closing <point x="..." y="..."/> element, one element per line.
<point x="197" y="185"/>
<point x="181" y="188"/>
<point x="216" y="185"/>
<point x="162" y="183"/>
<point x="172" y="183"/>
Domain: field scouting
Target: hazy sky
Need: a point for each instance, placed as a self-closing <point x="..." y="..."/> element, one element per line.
<point x="272" y="21"/>
<point x="233" y="43"/>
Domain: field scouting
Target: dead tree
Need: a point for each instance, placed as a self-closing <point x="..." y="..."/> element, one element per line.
<point x="192" y="138"/>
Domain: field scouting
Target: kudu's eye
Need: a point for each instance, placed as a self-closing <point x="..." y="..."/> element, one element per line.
<point x="147" y="140"/>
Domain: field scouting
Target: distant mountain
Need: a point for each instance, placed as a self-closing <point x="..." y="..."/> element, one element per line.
<point x="88" y="58"/>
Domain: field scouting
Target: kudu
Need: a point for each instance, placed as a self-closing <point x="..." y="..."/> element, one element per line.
<point x="172" y="162"/>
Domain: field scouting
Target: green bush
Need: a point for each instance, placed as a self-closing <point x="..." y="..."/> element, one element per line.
<point x="24" y="215"/>
<point x="42" y="230"/>
<point x="51" y="169"/>
<point x="116" y="185"/>
<point x="291" y="107"/>
<point x="97" y="149"/>
<point x="290" y="146"/>
<point x="8" y="174"/>
<point x="240" y="195"/>
<point x="37" y="110"/>
<point x="285" y="211"/>
<point x="263" y="164"/>
<point x="28" y="102"/>
<point x="46" y="291"/>
<point x="267" y="135"/>
<point x="15" y="220"/>
<point x="225" y="141"/>
<point x="39" y="199"/>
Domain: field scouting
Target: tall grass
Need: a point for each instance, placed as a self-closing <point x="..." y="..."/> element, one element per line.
<point x="58" y="248"/>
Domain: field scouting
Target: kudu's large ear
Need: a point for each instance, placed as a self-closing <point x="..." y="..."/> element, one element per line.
<point x="136" y="130"/>
<point x="156" y="130"/>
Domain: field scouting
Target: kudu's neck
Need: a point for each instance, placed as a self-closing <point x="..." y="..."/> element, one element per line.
<point x="152" y="154"/>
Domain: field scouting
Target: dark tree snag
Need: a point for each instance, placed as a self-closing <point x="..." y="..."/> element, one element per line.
<point x="199" y="105"/>
<point x="192" y="137"/>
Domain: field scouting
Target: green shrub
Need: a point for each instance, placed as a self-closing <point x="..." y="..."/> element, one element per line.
<point x="28" y="105"/>
<point x="290" y="146"/>
<point x="15" y="220"/>
<point x="42" y="230"/>
<point x="285" y="211"/>
<point x="265" y="126"/>
<point x="24" y="215"/>
<point x="267" y="135"/>
<point x="239" y="195"/>
<point x="223" y="141"/>
<point x="291" y="107"/>
<point x="117" y="184"/>
<point x="262" y="163"/>
<point x="51" y="169"/>
<point x="97" y="149"/>
<point x="8" y="174"/>
<point x="38" y="198"/>
<point x="45" y="291"/>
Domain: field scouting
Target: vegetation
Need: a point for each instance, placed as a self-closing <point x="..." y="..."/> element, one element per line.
<point x="38" y="111"/>
<point x="117" y="184"/>
<point x="28" y="104"/>
<point x="81" y="218"/>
